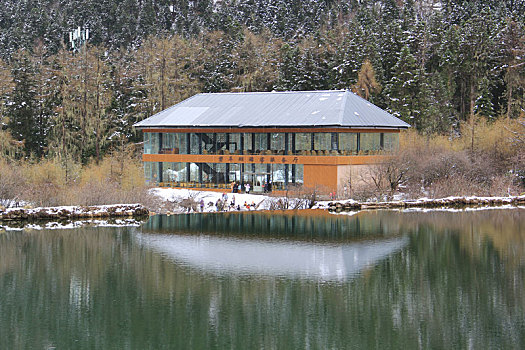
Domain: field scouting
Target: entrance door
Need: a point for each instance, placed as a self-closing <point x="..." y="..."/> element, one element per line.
<point x="260" y="179"/>
<point x="256" y="180"/>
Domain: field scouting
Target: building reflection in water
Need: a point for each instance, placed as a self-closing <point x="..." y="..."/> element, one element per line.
<point x="310" y="245"/>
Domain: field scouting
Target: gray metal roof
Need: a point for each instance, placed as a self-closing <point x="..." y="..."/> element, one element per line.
<point x="338" y="108"/>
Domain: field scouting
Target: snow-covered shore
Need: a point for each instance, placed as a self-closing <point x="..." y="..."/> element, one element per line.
<point x="73" y="212"/>
<point x="184" y="200"/>
<point x="68" y="224"/>
<point x="266" y="202"/>
<point x="429" y="203"/>
<point x="179" y="201"/>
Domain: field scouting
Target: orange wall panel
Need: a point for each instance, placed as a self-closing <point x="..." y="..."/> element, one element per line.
<point x="322" y="176"/>
<point x="264" y="159"/>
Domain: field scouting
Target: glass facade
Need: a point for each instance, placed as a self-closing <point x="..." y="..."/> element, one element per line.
<point x="221" y="175"/>
<point x="301" y="143"/>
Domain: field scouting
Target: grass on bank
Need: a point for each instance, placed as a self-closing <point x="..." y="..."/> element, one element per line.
<point x="49" y="182"/>
<point x="483" y="159"/>
<point x="492" y="163"/>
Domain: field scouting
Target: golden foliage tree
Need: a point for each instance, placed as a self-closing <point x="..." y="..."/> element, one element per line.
<point x="8" y="146"/>
<point x="366" y="81"/>
<point x="257" y="58"/>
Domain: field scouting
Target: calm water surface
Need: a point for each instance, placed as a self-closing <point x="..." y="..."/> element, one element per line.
<point x="309" y="280"/>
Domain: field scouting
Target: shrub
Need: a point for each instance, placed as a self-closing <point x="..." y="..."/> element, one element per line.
<point x="11" y="184"/>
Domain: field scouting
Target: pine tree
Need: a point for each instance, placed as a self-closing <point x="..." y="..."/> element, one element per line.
<point x="257" y="60"/>
<point x="514" y="61"/>
<point x="22" y="107"/>
<point x="288" y="72"/>
<point x="220" y="63"/>
<point x="7" y="145"/>
<point x="404" y="87"/>
<point x="483" y="105"/>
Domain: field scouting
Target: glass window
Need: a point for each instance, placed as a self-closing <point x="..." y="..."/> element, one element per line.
<point x="248" y="143"/>
<point x="261" y="142"/>
<point x="391" y="141"/>
<point x="299" y="174"/>
<point x="151" y="143"/>
<point x="208" y="172"/>
<point x="151" y="171"/>
<point x="348" y="141"/>
<point x="173" y="143"/>
<point x="221" y="143"/>
<point x="335" y="141"/>
<point x="249" y="174"/>
<point x="181" y="147"/>
<point x="147" y="143"/>
<point x="208" y="143"/>
<point x="277" y="142"/>
<point x="174" y="172"/>
<point x="278" y="176"/>
<point x="303" y="141"/>
<point x="194" y="172"/>
<point x="168" y="140"/>
<point x="370" y="141"/>
<point x="220" y="173"/>
<point x="261" y="174"/>
<point x="290" y="139"/>
<point x="195" y="141"/>
<point x="235" y="172"/>
<point x="235" y="143"/>
<point x="322" y="141"/>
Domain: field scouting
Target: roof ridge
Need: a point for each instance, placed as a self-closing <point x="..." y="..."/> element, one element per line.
<point x="343" y="106"/>
<point x="268" y="92"/>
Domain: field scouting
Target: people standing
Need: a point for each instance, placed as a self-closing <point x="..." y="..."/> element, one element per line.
<point x="247" y="188"/>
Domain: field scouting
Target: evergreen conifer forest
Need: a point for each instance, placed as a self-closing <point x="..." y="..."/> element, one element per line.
<point x="442" y="66"/>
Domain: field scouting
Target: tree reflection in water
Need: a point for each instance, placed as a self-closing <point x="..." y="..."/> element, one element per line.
<point x="458" y="282"/>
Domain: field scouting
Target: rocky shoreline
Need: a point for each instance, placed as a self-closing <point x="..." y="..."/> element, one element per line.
<point x="139" y="211"/>
<point x="74" y="212"/>
<point x="450" y="202"/>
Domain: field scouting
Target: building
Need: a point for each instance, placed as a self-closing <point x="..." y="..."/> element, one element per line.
<point x="287" y="139"/>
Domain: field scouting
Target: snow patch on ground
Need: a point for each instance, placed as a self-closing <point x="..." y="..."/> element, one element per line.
<point x="246" y="202"/>
<point x="76" y="209"/>
<point x="461" y="210"/>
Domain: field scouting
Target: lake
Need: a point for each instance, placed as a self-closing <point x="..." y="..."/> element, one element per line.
<point x="279" y="280"/>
